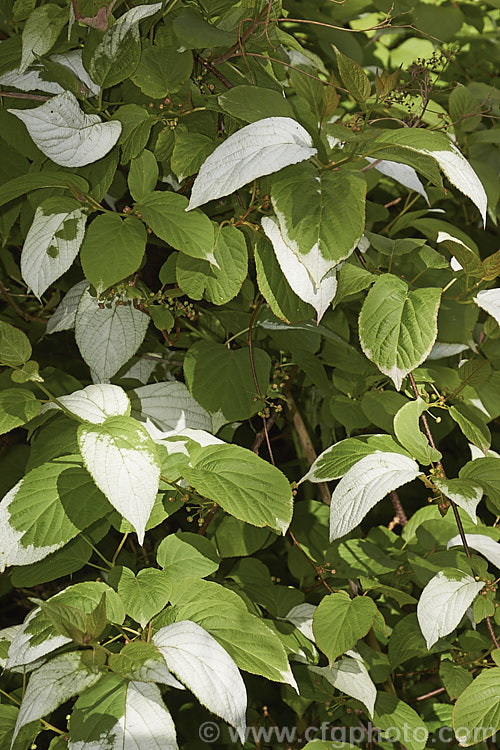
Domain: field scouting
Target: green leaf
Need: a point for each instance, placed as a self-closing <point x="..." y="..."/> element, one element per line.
<point x="409" y="435"/>
<point x="466" y="257"/>
<point x="339" y="622"/>
<point x="219" y="283"/>
<point x="243" y="484"/>
<point x="143" y="175"/>
<point x="15" y="348"/>
<point x="144" y="594"/>
<point x="251" y="103"/>
<point x="351" y="280"/>
<point x="302" y="198"/>
<point x="122" y="459"/>
<point x="476" y="714"/>
<point x="454" y="678"/>
<point x="397" y="327"/>
<point x="400" y="722"/>
<point x="194" y="32"/>
<point x="354" y="77"/>
<point x="162" y="68"/>
<point x="221" y="380"/>
<point x="46" y="509"/>
<point x="473" y="425"/>
<point x="113" y="249"/>
<point x="184" y="555"/>
<point x="464" y="492"/>
<point x="486" y="473"/>
<point x="136" y="127"/>
<point x="274" y="287"/>
<point x="26" y="373"/>
<point x="17" y="406"/>
<point x="246" y="638"/>
<point x="191" y="233"/>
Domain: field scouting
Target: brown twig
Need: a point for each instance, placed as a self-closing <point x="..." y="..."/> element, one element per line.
<point x="318" y="570"/>
<point x="24" y="315"/>
<point x="210" y="67"/>
<point x="396" y="503"/>
<point x="19" y="95"/>
<point x="254" y="375"/>
<point x="431" y="694"/>
<point x="241" y="39"/>
<point x="492" y="632"/>
<point x="307" y="445"/>
<point x="203" y="528"/>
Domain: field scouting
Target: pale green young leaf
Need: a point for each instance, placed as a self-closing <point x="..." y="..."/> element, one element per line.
<point x="17" y="406"/>
<point x="122" y="460"/>
<point x="398" y="327"/>
<point x="339" y="622"/>
<point x="113" y="249"/>
<point x="184" y="555"/>
<point x="144" y="594"/>
<point x="406" y="427"/>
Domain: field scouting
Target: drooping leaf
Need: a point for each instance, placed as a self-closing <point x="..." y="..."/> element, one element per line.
<point x="489" y="300"/>
<point x="464" y="492"/>
<point x="196" y="658"/>
<point x="63" y="318"/>
<point x="95" y="403"/>
<point x="400" y="722"/>
<point x="257" y="149"/>
<point x="66" y="134"/>
<point x="367" y="482"/>
<point x="52" y="242"/>
<point x="397" y="327"/>
<point x="350" y="676"/>
<point x="170" y="406"/>
<point x="339" y="622"/>
<point x="122" y="459"/>
<point x="319" y="294"/>
<point x="443" y="602"/>
<point x="321" y="216"/>
<point x="472" y="422"/>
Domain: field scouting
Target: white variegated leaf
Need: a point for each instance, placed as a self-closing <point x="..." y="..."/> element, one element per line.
<point x="30" y="80"/>
<point x="367" y="482"/>
<point x="95" y="403"/>
<point x="463" y="492"/>
<point x="481" y="543"/>
<point x="444" y="601"/>
<point x="489" y="300"/>
<point x="12" y="550"/>
<point x="64" y="316"/>
<point x="350" y="676"/>
<point x="402" y="173"/>
<point x="122" y="460"/>
<point x="441" y="350"/>
<point x="263" y="147"/>
<point x="460" y="173"/>
<point x="196" y="658"/>
<point x="297" y="274"/>
<point x="52" y="244"/>
<point x="72" y="60"/>
<point x="23" y="651"/>
<point x="108" y="337"/>
<point x="64" y="133"/>
<point x="170" y="406"/>
<point x="52" y="684"/>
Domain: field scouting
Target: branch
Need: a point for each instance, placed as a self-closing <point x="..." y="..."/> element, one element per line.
<point x="307" y="445"/>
